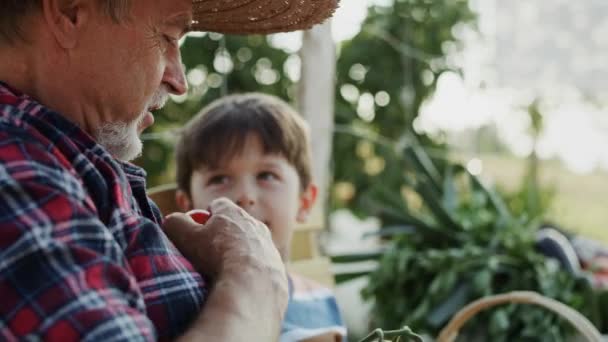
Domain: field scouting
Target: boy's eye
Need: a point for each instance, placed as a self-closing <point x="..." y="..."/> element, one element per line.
<point x="267" y="176"/>
<point x="219" y="179"/>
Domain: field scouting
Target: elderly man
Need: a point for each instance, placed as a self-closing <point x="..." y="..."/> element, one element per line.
<point x="83" y="255"/>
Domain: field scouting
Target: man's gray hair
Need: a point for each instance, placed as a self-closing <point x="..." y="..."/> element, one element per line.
<point x="14" y="11"/>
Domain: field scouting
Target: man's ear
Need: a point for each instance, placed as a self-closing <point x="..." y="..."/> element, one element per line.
<point x="307" y="201"/>
<point x="183" y="201"/>
<point x="65" y="19"/>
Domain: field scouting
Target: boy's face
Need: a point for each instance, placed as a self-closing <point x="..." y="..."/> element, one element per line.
<point x="267" y="186"/>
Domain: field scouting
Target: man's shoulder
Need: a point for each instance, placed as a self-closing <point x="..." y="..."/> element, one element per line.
<point x="23" y="149"/>
<point x="17" y="111"/>
<point x="32" y="162"/>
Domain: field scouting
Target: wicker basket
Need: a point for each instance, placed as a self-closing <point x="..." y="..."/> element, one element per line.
<point x="580" y="322"/>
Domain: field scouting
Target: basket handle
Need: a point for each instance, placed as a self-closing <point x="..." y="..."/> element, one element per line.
<point x="582" y="324"/>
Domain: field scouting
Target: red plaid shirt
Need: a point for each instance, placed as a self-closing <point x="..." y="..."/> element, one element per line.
<point x="82" y="256"/>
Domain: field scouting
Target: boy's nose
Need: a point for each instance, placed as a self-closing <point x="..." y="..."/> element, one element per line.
<point x="245" y="202"/>
<point x="245" y="198"/>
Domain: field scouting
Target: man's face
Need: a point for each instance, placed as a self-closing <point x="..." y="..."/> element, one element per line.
<point x="128" y="70"/>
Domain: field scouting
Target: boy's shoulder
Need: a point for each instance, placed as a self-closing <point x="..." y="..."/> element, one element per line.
<point x="312" y="302"/>
<point x="305" y="288"/>
<point x="312" y="312"/>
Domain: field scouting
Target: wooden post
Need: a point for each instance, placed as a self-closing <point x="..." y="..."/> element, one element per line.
<point x="316" y="100"/>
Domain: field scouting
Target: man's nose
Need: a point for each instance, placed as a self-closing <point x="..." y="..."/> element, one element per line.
<point x="174" y="76"/>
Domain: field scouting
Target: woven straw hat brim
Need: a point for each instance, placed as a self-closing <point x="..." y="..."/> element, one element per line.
<point x="260" y="16"/>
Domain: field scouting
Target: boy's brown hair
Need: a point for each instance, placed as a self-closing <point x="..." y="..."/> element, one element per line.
<point x="220" y="130"/>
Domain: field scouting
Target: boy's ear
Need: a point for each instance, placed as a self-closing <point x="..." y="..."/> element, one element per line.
<point x="183" y="201"/>
<point x="307" y="201"/>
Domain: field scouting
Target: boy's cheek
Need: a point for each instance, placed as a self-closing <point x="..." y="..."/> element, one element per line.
<point x="201" y="200"/>
<point x="282" y="241"/>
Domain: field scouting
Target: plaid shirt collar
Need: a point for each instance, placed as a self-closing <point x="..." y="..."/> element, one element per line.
<point x="10" y="95"/>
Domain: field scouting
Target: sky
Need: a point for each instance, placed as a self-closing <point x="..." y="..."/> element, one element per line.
<point x="551" y="50"/>
<point x="555" y="51"/>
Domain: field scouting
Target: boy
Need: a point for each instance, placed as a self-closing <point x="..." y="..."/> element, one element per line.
<point x="254" y="149"/>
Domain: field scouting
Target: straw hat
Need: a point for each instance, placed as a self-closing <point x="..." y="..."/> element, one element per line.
<point x="259" y="16"/>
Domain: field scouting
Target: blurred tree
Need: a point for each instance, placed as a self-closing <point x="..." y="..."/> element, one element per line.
<point x="385" y="73"/>
<point x="533" y="197"/>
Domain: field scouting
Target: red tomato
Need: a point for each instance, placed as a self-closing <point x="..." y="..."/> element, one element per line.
<point x="199" y="215"/>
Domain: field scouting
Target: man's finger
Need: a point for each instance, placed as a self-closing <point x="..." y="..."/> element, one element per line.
<point x="181" y="229"/>
<point x="223" y="206"/>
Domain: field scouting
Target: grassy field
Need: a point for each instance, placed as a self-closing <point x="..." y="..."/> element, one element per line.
<point x="581" y="201"/>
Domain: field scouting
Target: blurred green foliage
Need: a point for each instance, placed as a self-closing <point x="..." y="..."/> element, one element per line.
<point x="388" y="69"/>
<point x="451" y="239"/>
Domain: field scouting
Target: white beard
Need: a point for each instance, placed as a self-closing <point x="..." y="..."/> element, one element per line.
<point x="121" y="139"/>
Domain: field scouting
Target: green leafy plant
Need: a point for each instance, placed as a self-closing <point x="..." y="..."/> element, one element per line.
<point x="402" y="335"/>
<point x="452" y="240"/>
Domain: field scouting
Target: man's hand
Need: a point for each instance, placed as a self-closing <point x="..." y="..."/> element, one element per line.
<point x="230" y="241"/>
<point x="250" y="290"/>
